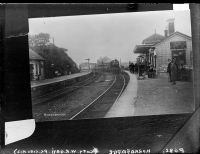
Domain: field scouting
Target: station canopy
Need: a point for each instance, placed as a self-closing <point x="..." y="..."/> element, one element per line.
<point x="143" y="48"/>
<point x="148" y="43"/>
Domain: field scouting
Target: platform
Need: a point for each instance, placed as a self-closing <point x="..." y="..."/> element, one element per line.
<point x="153" y="97"/>
<point x="124" y="106"/>
<point x="58" y="79"/>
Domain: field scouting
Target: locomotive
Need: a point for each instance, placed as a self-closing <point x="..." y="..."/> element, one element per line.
<point x="114" y="66"/>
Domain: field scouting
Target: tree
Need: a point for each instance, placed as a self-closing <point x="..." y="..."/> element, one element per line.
<point x="57" y="62"/>
<point x="43" y="38"/>
<point x="103" y="60"/>
<point x="40" y="39"/>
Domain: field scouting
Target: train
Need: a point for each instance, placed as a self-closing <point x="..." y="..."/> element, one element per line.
<point x="113" y="66"/>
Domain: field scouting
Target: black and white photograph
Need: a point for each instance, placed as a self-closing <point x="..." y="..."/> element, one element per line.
<point x="99" y="78"/>
<point x="116" y="65"/>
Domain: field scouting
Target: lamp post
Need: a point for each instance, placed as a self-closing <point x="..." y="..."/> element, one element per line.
<point x="68" y="69"/>
<point x="52" y="70"/>
<point x="155" y="56"/>
<point x="88" y="62"/>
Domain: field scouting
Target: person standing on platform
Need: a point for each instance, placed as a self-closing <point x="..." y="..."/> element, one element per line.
<point x="169" y="69"/>
<point x="133" y="68"/>
<point x="130" y="67"/>
<point x="174" y="71"/>
<point x="136" y="68"/>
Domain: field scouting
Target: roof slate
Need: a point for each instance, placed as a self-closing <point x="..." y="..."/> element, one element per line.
<point x="175" y="33"/>
<point x="34" y="56"/>
<point x="155" y="38"/>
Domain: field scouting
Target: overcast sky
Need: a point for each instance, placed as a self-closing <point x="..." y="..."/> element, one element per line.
<point x="111" y="35"/>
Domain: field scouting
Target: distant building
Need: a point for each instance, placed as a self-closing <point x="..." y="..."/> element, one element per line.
<point x="103" y="60"/>
<point x="87" y="66"/>
<point x="157" y="49"/>
<point x="124" y="64"/>
<point x="36" y="65"/>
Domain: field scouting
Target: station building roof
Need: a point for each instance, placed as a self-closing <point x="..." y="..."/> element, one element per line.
<point x="172" y="35"/>
<point x="34" y="56"/>
<point x="155" y="38"/>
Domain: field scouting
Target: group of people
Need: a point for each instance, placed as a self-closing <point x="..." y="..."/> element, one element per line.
<point x="172" y="69"/>
<point x="137" y="68"/>
<point x="133" y="67"/>
<point x="142" y="69"/>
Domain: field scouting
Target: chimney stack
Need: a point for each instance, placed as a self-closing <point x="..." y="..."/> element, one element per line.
<point x="171" y="28"/>
<point x="166" y="32"/>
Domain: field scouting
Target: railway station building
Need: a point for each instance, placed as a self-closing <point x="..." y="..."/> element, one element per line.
<point x="36" y="63"/>
<point x="157" y="49"/>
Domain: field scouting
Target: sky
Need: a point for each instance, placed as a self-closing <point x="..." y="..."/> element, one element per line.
<point x="112" y="35"/>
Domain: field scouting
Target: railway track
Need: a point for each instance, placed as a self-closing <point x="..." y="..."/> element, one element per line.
<point x="66" y="90"/>
<point x="100" y="106"/>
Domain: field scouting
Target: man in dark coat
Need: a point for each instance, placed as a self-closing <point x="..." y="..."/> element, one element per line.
<point x="174" y="71"/>
<point x="133" y="68"/>
<point x="130" y="67"/>
<point x="169" y="69"/>
<point x="136" y="68"/>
